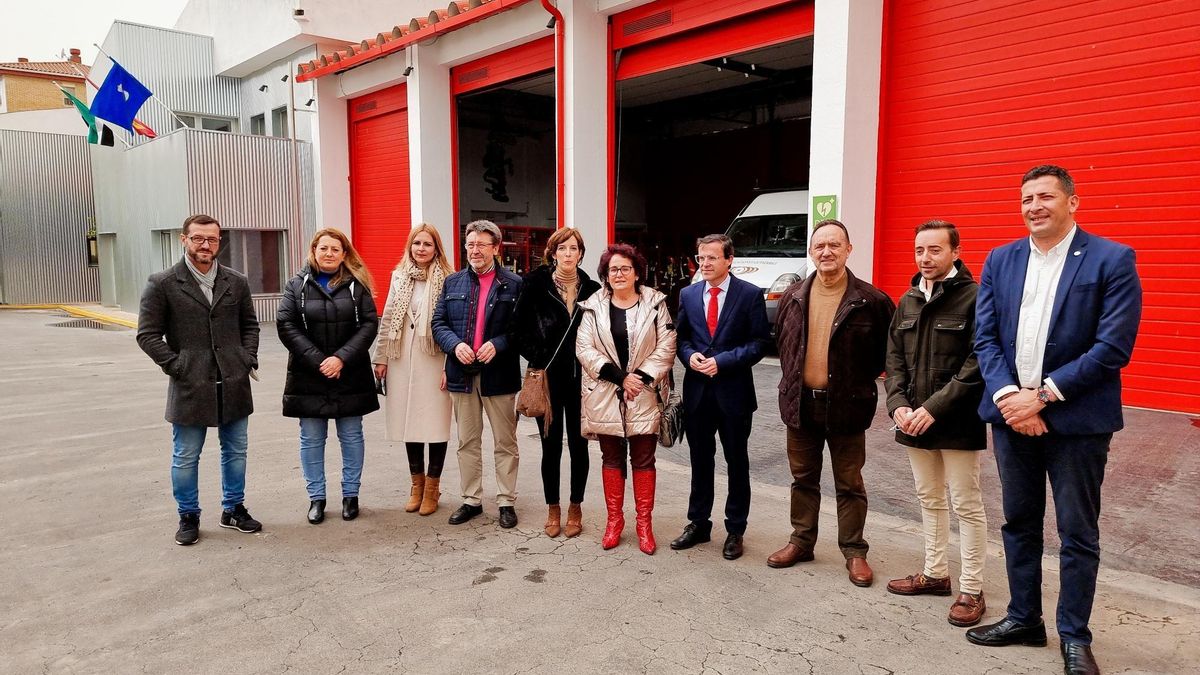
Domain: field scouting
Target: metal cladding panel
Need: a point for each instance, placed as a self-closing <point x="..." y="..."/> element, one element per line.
<point x="974" y="95"/>
<point x="246" y="182"/>
<point x="177" y="66"/>
<point x="46" y="209"/>
<point x="139" y="192"/>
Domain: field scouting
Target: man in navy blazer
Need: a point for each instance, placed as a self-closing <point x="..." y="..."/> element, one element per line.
<point x="723" y="331"/>
<point x="1056" y="318"/>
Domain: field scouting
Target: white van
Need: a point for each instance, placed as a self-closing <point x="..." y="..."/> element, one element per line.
<point x="770" y="244"/>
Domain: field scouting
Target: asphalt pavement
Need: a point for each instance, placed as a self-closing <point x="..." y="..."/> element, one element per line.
<point x="93" y="581"/>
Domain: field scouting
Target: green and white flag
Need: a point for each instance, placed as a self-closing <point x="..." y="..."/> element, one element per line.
<point x="97" y="133"/>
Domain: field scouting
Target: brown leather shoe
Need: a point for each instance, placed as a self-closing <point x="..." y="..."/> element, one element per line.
<point x="788" y="555"/>
<point x="554" y="521"/>
<point x="860" y="571"/>
<point x="967" y="610"/>
<point x="919" y="584"/>
<point x="574" y="520"/>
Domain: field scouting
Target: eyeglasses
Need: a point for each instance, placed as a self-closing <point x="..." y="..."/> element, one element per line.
<point x="624" y="270"/>
<point x="198" y="240"/>
<point x="701" y="259"/>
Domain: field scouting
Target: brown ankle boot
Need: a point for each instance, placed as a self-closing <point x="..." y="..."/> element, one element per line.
<point x="554" y="521"/>
<point x="574" y="520"/>
<point x="418" y="488"/>
<point x="429" y="502"/>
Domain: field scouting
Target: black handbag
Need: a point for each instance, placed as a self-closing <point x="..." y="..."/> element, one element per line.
<point x="670" y="426"/>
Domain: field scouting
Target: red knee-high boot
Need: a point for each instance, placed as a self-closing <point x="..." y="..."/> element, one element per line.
<point x="614" y="498"/>
<point x="643" y="500"/>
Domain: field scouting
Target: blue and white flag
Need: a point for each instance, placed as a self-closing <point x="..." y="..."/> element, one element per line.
<point x="120" y="97"/>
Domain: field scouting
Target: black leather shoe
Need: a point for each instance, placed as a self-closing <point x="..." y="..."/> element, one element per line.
<point x="508" y="517"/>
<point x="1008" y="632"/>
<point x="349" y="508"/>
<point x="316" y="511"/>
<point x="733" y="547"/>
<point x="692" y="534"/>
<point x="464" y="513"/>
<point x="1078" y="659"/>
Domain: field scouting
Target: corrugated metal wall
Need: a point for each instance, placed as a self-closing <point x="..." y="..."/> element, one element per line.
<point x="46" y="208"/>
<point x="178" y="67"/>
<point x="246" y="179"/>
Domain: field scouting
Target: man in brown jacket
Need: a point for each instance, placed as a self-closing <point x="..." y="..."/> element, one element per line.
<point x="833" y="331"/>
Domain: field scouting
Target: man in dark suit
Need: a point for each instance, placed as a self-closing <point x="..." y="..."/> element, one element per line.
<point x="197" y="323"/>
<point x="723" y="331"/>
<point x="1056" y="318"/>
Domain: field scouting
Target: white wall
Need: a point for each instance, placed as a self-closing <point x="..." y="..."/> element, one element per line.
<point x="845" y="123"/>
<point x="255" y="102"/>
<point x="62" y="121"/>
<point x="586" y="71"/>
<point x="253" y="33"/>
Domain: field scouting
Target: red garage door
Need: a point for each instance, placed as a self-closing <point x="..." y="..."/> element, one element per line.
<point x="975" y="93"/>
<point x="379" y="187"/>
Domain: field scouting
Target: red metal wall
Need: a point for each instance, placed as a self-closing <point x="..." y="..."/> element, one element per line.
<point x="380" y="199"/>
<point x="975" y="93"/>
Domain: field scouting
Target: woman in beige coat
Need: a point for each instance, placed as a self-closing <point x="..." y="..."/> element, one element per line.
<point x="626" y="346"/>
<point x="417" y="405"/>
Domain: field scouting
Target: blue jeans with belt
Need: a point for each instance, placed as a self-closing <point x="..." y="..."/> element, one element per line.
<point x="185" y="460"/>
<point x="313" y="432"/>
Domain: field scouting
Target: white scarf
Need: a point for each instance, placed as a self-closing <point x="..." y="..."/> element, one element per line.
<point x="395" y="312"/>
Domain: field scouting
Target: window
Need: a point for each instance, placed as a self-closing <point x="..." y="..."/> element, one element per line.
<point x="258" y="125"/>
<point x="200" y="122"/>
<point x="258" y="254"/>
<point x="216" y="124"/>
<point x="279" y="122"/>
<point x="169" y="246"/>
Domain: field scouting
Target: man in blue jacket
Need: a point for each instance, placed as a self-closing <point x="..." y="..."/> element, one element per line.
<point x="473" y="324"/>
<point x="1056" y="318"/>
<point x="723" y="331"/>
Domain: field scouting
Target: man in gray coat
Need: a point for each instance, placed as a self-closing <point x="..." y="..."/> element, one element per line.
<point x="197" y="323"/>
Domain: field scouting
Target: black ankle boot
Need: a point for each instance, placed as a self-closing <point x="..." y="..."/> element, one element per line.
<point x="349" y="508"/>
<point x="316" y="511"/>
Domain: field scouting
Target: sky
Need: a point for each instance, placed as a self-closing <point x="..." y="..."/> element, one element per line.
<point x="40" y="31"/>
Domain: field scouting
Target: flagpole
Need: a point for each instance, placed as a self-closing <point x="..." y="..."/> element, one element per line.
<point x="152" y="94"/>
<point x="99" y="133"/>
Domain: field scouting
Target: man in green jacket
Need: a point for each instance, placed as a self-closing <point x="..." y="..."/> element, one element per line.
<point x="933" y="389"/>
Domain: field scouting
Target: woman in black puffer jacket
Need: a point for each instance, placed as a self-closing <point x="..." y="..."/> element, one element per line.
<point x="327" y="321"/>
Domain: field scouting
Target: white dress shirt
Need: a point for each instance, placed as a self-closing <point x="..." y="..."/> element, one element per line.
<point x="926" y="287"/>
<point x="720" y="296"/>
<point x="1042" y="275"/>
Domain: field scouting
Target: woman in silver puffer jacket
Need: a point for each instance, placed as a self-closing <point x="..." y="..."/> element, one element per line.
<point x="626" y="346"/>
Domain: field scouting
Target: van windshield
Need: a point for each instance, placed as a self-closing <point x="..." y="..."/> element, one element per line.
<point x="776" y="236"/>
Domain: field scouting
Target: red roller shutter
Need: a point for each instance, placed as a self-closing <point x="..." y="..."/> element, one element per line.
<point x="379" y="184"/>
<point x="975" y="93"/>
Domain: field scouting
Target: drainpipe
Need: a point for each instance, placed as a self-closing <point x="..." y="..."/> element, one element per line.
<point x="560" y="113"/>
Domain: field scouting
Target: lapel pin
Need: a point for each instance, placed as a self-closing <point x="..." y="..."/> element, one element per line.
<point x="1078" y="252"/>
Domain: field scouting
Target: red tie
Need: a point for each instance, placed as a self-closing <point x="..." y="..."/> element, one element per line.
<point x="712" y="310"/>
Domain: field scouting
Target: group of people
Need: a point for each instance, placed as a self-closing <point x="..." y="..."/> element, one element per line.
<point x="1034" y="348"/>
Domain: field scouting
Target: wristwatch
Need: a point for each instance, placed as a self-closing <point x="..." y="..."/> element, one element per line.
<point x="1043" y="395"/>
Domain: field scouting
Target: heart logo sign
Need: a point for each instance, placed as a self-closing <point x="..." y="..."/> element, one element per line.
<point x="824" y="208"/>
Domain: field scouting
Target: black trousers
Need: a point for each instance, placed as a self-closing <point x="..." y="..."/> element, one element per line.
<point x="702" y="427"/>
<point x="565" y="400"/>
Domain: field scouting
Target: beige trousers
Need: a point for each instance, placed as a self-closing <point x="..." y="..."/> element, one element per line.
<point x="932" y="470"/>
<point x="502" y="416"/>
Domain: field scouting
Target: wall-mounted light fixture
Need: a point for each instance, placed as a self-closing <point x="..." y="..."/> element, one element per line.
<point x="309" y="102"/>
<point x="407" y="71"/>
<point x="284" y="78"/>
<point x="263" y="88"/>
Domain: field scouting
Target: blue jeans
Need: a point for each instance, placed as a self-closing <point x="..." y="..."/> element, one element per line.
<point x="313" y="432"/>
<point x="185" y="458"/>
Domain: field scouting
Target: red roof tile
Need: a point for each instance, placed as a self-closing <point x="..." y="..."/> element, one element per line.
<point x="66" y="69"/>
